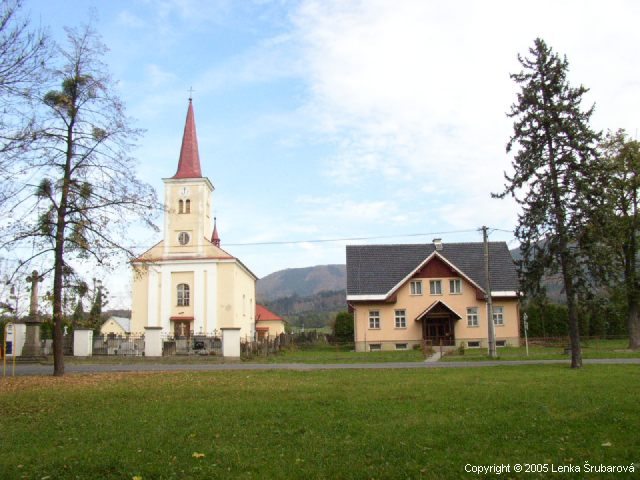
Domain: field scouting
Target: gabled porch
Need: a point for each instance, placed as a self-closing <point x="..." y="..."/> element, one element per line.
<point x="438" y="324"/>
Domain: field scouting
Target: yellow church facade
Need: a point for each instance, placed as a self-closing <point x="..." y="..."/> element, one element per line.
<point x="187" y="284"/>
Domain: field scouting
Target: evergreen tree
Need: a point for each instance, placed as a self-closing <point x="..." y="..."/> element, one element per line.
<point x="343" y="327"/>
<point x="96" y="319"/>
<point x="615" y="232"/>
<point x="78" y="316"/>
<point x="554" y="155"/>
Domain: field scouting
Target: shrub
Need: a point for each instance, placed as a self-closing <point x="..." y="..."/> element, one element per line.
<point x="343" y="327"/>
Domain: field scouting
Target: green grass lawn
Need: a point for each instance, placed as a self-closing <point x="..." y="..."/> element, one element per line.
<point x="338" y="354"/>
<point x="316" y="353"/>
<point x="318" y="424"/>
<point x="590" y="349"/>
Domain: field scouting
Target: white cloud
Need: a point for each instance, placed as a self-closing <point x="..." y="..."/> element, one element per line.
<point x="158" y="77"/>
<point x="414" y="93"/>
<point x="131" y="20"/>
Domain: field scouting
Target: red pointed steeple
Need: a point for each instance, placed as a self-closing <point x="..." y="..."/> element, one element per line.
<point x="215" y="238"/>
<point x="189" y="163"/>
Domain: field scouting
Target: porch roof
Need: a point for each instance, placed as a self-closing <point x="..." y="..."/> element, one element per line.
<point x="434" y="307"/>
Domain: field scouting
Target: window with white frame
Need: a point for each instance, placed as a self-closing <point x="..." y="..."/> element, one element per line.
<point x="498" y="315"/>
<point x="183" y="295"/>
<point x="416" y="287"/>
<point x="455" y="286"/>
<point x="401" y="319"/>
<point x="472" y="316"/>
<point x="401" y="346"/>
<point x="375" y="347"/>
<point x="374" y="319"/>
<point x="435" y="287"/>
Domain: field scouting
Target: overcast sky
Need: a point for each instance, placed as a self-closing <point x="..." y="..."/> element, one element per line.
<point x="340" y="119"/>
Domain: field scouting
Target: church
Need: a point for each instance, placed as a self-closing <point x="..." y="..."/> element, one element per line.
<point x="187" y="284"/>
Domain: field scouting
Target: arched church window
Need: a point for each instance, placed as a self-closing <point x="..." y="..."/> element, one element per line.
<point x="183" y="295"/>
<point x="180" y="206"/>
<point x="187" y="208"/>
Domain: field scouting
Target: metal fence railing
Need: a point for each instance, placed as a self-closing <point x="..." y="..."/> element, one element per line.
<point x="126" y="345"/>
<point x="192" y="344"/>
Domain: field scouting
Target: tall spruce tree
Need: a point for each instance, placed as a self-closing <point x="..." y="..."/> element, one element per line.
<point x="554" y="155"/>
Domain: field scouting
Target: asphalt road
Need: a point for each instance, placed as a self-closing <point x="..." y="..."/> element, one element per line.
<point x="37" y="369"/>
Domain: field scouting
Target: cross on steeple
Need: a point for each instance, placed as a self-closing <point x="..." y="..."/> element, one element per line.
<point x="191" y="93"/>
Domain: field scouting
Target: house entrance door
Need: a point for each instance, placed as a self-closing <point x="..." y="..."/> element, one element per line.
<point x="439" y="330"/>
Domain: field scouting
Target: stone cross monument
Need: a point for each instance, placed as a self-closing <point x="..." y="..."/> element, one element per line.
<point x="32" y="346"/>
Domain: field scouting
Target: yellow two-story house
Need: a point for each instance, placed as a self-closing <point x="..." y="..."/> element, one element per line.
<point x="406" y="295"/>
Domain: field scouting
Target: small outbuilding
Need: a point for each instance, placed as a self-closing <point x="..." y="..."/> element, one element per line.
<point x="116" y="326"/>
<point x="268" y="324"/>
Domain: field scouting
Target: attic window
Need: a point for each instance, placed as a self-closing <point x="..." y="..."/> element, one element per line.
<point x="455" y="286"/>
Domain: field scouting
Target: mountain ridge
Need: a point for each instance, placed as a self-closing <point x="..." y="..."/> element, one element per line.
<point x="302" y="282"/>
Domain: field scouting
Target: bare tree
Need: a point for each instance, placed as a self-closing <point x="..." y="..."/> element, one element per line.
<point x="23" y="55"/>
<point x="86" y="193"/>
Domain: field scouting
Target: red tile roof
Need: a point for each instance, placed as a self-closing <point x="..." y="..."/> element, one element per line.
<point x="264" y="314"/>
<point x="189" y="163"/>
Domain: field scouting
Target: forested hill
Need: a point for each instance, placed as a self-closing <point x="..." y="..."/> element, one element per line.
<point x="303" y="282"/>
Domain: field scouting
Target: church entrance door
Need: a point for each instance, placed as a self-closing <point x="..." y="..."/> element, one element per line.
<point x="182" y="328"/>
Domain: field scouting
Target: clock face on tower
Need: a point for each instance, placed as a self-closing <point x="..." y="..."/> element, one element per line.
<point x="183" y="238"/>
<point x="184" y="191"/>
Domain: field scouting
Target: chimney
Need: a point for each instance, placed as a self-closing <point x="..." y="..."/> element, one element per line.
<point x="438" y="243"/>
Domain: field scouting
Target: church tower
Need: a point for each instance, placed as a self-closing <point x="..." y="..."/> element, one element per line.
<point x="187" y="199"/>
<point x="187" y="284"/>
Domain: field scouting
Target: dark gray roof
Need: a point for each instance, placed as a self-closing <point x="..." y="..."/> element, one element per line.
<point x="376" y="269"/>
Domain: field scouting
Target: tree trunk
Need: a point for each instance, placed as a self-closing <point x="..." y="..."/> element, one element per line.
<point x="58" y="280"/>
<point x="633" y="323"/>
<point x="631" y="280"/>
<point x="572" y="310"/>
<point x="58" y="275"/>
<point x="58" y="337"/>
<point x="574" y="327"/>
